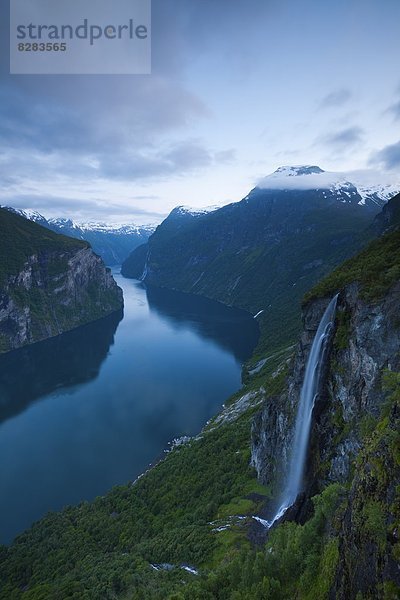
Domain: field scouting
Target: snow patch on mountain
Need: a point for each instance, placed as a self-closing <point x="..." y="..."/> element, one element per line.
<point x="376" y="193"/>
<point x="194" y="212"/>
<point x="115" y="228"/>
<point x="31" y="215"/>
<point x="91" y="226"/>
<point x="369" y="185"/>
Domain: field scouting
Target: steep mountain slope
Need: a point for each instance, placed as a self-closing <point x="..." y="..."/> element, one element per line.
<point x="376" y="267"/>
<point x="355" y="437"/>
<point x="195" y="510"/>
<point x="112" y="243"/>
<point x="49" y="283"/>
<point x="263" y="253"/>
<point x="389" y="218"/>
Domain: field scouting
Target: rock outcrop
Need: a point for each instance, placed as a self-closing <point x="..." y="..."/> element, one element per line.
<point x="49" y="284"/>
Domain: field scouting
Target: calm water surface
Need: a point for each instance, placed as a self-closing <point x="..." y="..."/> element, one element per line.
<point x="92" y="408"/>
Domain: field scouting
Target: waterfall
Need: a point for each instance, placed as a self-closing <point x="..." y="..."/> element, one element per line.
<point x="145" y="268"/>
<point x="309" y="391"/>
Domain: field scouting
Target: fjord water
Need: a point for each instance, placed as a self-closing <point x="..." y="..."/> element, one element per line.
<point x="92" y="408"/>
<point x="311" y="385"/>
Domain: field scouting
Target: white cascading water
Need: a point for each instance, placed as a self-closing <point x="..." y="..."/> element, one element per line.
<point x="145" y="268"/>
<point x="308" y="394"/>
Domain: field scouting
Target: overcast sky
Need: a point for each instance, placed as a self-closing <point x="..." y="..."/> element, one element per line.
<point x="238" y="88"/>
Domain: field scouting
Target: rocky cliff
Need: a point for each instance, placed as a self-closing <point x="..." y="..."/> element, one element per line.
<point x="49" y="284"/>
<point x="355" y="438"/>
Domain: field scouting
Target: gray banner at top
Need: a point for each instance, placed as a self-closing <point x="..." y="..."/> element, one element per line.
<point x="100" y="37"/>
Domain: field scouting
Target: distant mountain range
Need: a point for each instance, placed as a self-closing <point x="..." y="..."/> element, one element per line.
<point x="112" y="242"/>
<point x="264" y="252"/>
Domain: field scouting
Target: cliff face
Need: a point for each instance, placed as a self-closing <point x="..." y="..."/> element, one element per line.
<point x="351" y="442"/>
<point x="263" y="253"/>
<point x="273" y="427"/>
<point x="53" y="292"/>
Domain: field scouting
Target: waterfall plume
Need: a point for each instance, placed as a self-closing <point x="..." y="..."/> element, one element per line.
<point x="312" y="379"/>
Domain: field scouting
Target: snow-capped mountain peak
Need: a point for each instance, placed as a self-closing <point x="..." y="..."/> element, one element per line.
<point x="99" y="227"/>
<point x="365" y="187"/>
<point x="27" y="213"/>
<point x="301" y="177"/>
<point x="297" y="170"/>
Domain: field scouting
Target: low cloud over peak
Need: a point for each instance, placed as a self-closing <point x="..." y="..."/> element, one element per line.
<point x="310" y="178"/>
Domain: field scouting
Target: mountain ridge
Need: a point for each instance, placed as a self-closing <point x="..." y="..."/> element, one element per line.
<point x="112" y="242"/>
<point x="257" y="253"/>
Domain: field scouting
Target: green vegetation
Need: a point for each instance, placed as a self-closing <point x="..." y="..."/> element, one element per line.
<point x="44" y="302"/>
<point x="374" y="521"/>
<point x="343" y="330"/>
<point x="298" y="561"/>
<point x="262" y="254"/>
<point x="375" y="269"/>
<point x="273" y="373"/>
<point x="20" y="239"/>
<point x="185" y="511"/>
<point x="104" y="549"/>
<point x="374" y="499"/>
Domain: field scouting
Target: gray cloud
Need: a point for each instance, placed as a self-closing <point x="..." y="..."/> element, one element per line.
<point x="188" y="155"/>
<point x="394" y="109"/>
<point x="336" y="98"/>
<point x="79" y="208"/>
<point x="86" y="121"/>
<point x="388" y="157"/>
<point x="226" y="157"/>
<point x="344" y="138"/>
<point x="93" y="117"/>
<point x="176" y="159"/>
<point x="77" y="126"/>
<point x="124" y="164"/>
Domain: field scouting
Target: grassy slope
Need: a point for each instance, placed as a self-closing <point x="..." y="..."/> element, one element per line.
<point x="375" y="268"/>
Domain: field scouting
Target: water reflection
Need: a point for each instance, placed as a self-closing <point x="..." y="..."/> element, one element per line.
<point x="64" y="361"/>
<point x="92" y="408"/>
<point x="232" y="329"/>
